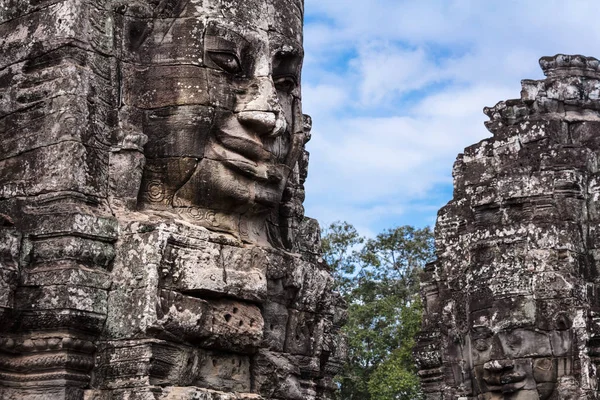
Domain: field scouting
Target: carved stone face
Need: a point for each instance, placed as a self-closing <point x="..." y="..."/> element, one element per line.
<point x="222" y="111"/>
<point x="521" y="360"/>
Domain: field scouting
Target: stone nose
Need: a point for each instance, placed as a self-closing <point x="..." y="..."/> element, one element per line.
<point x="260" y="122"/>
<point x="260" y="110"/>
<point x="498" y="365"/>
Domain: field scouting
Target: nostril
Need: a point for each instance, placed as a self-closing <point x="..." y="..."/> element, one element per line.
<point x="261" y="122"/>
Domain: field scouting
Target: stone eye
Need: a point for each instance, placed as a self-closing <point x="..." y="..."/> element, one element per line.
<point x="285" y="83"/>
<point x="482" y="344"/>
<point x="226" y="61"/>
<point x="563" y="322"/>
<point x="514" y="341"/>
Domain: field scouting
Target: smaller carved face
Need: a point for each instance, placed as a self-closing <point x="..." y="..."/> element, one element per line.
<point x="520" y="362"/>
<point x="511" y="360"/>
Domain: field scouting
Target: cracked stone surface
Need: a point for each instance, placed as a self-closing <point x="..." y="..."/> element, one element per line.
<point x="512" y="301"/>
<point x="153" y="243"/>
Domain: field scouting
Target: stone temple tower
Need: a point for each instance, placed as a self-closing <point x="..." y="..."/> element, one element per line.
<point x="512" y="302"/>
<point x="153" y="243"/>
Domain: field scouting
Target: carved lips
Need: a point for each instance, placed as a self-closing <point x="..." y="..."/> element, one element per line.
<point x="241" y="151"/>
<point x="503" y="376"/>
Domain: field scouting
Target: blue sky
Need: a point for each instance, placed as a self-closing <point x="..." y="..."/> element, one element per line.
<point x="396" y="90"/>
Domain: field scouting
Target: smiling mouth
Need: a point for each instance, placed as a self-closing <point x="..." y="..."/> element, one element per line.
<point x="244" y="146"/>
<point x="246" y="157"/>
<point x="260" y="173"/>
<point x="506" y="383"/>
<point x="513" y="386"/>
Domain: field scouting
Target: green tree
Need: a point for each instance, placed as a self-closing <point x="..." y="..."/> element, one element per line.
<point x="339" y="242"/>
<point x="380" y="282"/>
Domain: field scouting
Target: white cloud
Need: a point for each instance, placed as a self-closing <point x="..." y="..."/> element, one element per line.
<point x="386" y="70"/>
<point x="323" y="99"/>
<point x="455" y="104"/>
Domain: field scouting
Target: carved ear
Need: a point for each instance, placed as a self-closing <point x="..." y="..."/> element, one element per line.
<point x="307" y="127"/>
<point x="291" y="209"/>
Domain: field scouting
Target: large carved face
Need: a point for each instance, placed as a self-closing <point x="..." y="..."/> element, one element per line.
<point x="521" y="350"/>
<point x="219" y="83"/>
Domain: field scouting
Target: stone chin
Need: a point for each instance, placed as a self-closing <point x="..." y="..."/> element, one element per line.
<point x="229" y="188"/>
<point x="513" y="384"/>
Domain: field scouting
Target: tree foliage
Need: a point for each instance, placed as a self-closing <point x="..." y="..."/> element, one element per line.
<point x="339" y="242"/>
<point x="379" y="279"/>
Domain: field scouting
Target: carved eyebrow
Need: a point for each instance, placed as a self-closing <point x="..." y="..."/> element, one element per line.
<point x="219" y="38"/>
<point x="286" y="50"/>
<point x="287" y="63"/>
<point x="216" y="43"/>
<point x="481" y="332"/>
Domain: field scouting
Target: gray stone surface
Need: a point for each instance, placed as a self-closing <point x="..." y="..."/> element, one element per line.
<point x="511" y="304"/>
<point x="153" y="243"/>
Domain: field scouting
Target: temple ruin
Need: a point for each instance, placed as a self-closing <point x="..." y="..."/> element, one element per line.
<point x="153" y="243"/>
<point x="512" y="303"/>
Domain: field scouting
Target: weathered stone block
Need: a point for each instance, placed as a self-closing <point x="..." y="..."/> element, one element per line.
<point x="301" y="332"/>
<point x="183" y="141"/>
<point x="131" y="311"/>
<point x="125" y="177"/>
<point x="30" y="121"/>
<point x="246" y="272"/>
<point x="277" y="376"/>
<point x="40" y="30"/>
<point x="25" y="178"/>
<point x="40" y="223"/>
<point x="46" y="393"/>
<point x="208" y="268"/>
<point x="316" y="288"/>
<point x="183" y="316"/>
<point x="235" y="325"/>
<point x="193" y="266"/>
<point x="61" y="297"/>
<point x="163" y="86"/>
<point x="225" y="372"/>
<point x="276" y="322"/>
<point x="10" y="246"/>
<point x="139" y="363"/>
<point x="67" y="273"/>
<point x="167" y="41"/>
<point x="88" y="252"/>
